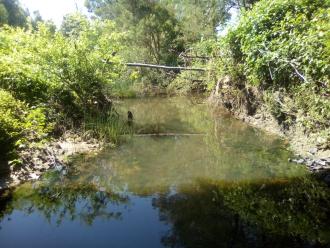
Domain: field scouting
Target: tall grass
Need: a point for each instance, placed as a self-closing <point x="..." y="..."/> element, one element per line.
<point x="106" y="127"/>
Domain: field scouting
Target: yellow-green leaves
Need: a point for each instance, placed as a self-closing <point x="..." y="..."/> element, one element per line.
<point x="20" y="125"/>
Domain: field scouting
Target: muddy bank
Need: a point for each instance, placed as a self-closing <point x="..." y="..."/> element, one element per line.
<point x="37" y="160"/>
<point x="309" y="149"/>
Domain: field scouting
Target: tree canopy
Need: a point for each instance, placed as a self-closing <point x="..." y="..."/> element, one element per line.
<point x="12" y="13"/>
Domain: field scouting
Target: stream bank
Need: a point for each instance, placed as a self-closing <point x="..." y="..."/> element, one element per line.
<point x="309" y="149"/>
<point x="53" y="155"/>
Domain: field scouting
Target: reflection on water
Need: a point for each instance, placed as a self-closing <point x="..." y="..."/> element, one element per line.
<point x="273" y="214"/>
<point x="228" y="186"/>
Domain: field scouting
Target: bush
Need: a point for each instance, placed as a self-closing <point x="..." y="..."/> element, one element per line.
<point x="284" y="46"/>
<point x="69" y="73"/>
<point x="11" y="113"/>
<point x="283" y="42"/>
<point x="19" y="125"/>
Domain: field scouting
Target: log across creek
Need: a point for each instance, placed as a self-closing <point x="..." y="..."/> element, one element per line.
<point x="165" y="67"/>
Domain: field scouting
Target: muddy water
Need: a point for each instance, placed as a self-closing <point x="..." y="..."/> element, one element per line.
<point x="190" y="177"/>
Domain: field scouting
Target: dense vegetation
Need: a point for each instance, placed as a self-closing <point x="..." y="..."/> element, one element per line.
<point x="277" y="56"/>
<point x="12" y="13"/>
<point x="60" y="75"/>
<point x="283" y="50"/>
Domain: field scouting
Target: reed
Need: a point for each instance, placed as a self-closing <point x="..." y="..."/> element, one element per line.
<point x="108" y="128"/>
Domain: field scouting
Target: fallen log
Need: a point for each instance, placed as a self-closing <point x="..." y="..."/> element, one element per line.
<point x="164" y="67"/>
<point x="195" y="57"/>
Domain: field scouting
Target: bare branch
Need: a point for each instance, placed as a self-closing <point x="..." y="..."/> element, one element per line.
<point x="164" y="67"/>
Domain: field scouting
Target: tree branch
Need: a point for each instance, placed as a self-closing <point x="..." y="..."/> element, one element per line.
<point x="164" y="67"/>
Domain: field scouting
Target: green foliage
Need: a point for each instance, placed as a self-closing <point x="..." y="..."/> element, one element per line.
<point x="153" y="30"/>
<point x="158" y="31"/>
<point x="197" y="19"/>
<point x="283" y="46"/>
<point x="11" y="119"/>
<point x="73" y="24"/>
<point x="19" y="124"/>
<point x="12" y="13"/>
<point x="187" y="82"/>
<point x="68" y="73"/>
<point x="198" y="56"/>
<point x="107" y="128"/>
<point x="283" y="42"/>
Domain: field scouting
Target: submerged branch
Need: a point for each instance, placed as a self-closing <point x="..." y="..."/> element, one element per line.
<point x="167" y="134"/>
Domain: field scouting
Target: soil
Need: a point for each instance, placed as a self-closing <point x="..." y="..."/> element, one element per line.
<point x="50" y="156"/>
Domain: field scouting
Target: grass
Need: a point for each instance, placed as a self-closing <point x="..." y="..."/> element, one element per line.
<point x="107" y="128"/>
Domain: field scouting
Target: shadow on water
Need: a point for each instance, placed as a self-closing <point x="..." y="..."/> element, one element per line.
<point x="206" y="213"/>
<point x="284" y="213"/>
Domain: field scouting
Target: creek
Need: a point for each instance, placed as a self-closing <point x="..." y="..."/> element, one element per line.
<point x="191" y="176"/>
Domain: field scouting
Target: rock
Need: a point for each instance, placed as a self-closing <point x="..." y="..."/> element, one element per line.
<point x="321" y="140"/>
<point x="58" y="167"/>
<point x="313" y="151"/>
<point x="326" y="160"/>
<point x="257" y="116"/>
<point x="298" y="161"/>
<point x="320" y="162"/>
<point x="309" y="162"/>
<point x="317" y="168"/>
<point x="34" y="176"/>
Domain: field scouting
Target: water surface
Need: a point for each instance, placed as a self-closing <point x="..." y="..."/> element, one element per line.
<point x="207" y="180"/>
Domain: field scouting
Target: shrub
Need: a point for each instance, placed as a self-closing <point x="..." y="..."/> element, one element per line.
<point x="68" y="73"/>
<point x="284" y="46"/>
<point x="19" y="125"/>
<point x="11" y="113"/>
<point x="283" y="42"/>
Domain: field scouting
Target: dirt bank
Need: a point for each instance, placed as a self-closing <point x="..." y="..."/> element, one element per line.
<point x="37" y="160"/>
<point x="309" y="148"/>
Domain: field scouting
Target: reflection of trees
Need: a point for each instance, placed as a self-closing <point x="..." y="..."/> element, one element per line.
<point x="146" y="164"/>
<point x="229" y="149"/>
<point x="171" y="114"/>
<point x="298" y="207"/>
<point x="197" y="221"/>
<point x="244" y="152"/>
<point x="273" y="214"/>
<point x="60" y="202"/>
